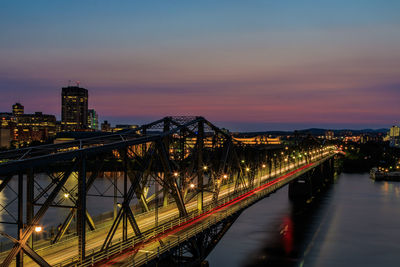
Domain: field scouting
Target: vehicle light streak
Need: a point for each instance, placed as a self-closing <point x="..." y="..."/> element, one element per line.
<point x="128" y="252"/>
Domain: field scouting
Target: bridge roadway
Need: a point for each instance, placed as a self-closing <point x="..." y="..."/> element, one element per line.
<point x="171" y="227"/>
<point x="152" y="248"/>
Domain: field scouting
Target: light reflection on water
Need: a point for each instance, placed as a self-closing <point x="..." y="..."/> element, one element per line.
<point x="355" y="223"/>
<point x="391" y="188"/>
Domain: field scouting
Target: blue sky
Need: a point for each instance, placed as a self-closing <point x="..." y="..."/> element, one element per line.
<point x="245" y="64"/>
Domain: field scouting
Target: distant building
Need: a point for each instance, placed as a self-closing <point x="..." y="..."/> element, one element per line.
<point x="58" y="127"/>
<point x="17" y="109"/>
<point x="120" y="127"/>
<point x="394" y="131"/>
<point x="6" y="137"/>
<point x="93" y="120"/>
<point x="105" y="127"/>
<point x="329" y="135"/>
<point x="23" y="129"/>
<point x="364" y="138"/>
<point x="7" y="125"/>
<point x="71" y="136"/>
<point x="74" y="109"/>
<point x="259" y="140"/>
<point x="7" y="120"/>
<point x="38" y="122"/>
<point x="394" y="136"/>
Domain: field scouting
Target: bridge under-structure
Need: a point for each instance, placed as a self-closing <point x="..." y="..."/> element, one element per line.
<point x="178" y="184"/>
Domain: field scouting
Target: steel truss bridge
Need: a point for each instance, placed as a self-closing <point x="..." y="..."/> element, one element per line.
<point x="177" y="185"/>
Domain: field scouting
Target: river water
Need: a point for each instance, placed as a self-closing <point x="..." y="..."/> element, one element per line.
<point x="356" y="222"/>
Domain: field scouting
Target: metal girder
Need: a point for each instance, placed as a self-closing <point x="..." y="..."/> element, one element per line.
<point x="112" y="230"/>
<point x="32" y="254"/>
<point x="170" y="180"/>
<point x="195" y="250"/>
<point x="143" y="180"/>
<point x="200" y="169"/>
<point x="20" y="222"/>
<point x="222" y="167"/>
<point x="124" y="214"/>
<point x="124" y="211"/>
<point x="68" y="151"/>
<point x="48" y="187"/>
<point x="81" y="209"/>
<point x="36" y="219"/>
<point x="132" y="220"/>
<point x="5" y="182"/>
<point x="30" y="194"/>
<point x="64" y="226"/>
<point x="156" y="162"/>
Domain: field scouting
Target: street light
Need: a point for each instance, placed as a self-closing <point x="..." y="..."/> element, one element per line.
<point x="192" y="185"/>
<point x="175" y="174"/>
<point x="66" y="195"/>
<point x="38" y="229"/>
<point x="205" y="168"/>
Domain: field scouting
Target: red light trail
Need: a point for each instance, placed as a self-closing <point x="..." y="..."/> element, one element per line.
<point x="200" y="217"/>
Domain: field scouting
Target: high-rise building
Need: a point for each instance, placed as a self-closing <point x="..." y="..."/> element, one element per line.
<point x="18" y="109"/>
<point x="93" y="120"/>
<point x="74" y="110"/>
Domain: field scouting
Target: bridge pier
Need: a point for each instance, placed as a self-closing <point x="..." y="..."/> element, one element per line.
<point x="194" y="250"/>
<point x="313" y="182"/>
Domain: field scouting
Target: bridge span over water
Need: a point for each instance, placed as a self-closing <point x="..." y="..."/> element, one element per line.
<point x="176" y="186"/>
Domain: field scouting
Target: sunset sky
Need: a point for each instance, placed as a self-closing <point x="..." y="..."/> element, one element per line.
<point x="245" y="65"/>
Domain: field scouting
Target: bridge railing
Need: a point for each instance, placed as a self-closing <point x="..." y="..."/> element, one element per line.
<point x="144" y="258"/>
<point x="169" y="224"/>
<point x="166" y="225"/>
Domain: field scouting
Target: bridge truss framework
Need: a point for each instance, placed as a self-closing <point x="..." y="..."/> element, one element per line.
<point x="179" y="159"/>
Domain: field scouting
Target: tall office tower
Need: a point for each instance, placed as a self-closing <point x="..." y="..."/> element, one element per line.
<point x="74" y="110"/>
<point x="93" y="120"/>
<point x="17" y="109"/>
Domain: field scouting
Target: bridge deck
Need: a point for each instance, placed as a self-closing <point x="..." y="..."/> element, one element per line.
<point x="171" y="230"/>
<point x="151" y="247"/>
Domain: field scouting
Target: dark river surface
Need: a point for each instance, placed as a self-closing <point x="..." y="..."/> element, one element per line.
<point x="356" y="222"/>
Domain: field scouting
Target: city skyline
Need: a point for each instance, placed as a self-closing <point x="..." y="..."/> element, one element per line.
<point x="264" y="66"/>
